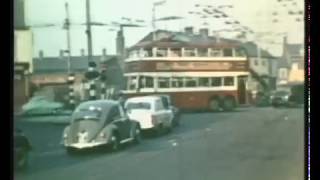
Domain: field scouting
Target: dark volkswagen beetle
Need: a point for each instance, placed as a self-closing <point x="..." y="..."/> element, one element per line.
<point x="97" y="123"/>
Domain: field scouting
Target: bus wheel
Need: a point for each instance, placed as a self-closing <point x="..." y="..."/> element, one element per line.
<point x="214" y="105"/>
<point x="228" y="104"/>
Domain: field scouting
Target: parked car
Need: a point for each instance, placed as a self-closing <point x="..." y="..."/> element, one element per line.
<point x="151" y="113"/>
<point x="22" y="147"/>
<point x="100" y="123"/>
<point x="280" y="98"/>
<point x="167" y="101"/>
<point x="297" y="95"/>
<point x="40" y="105"/>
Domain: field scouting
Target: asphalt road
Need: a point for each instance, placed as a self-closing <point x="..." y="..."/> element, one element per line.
<point x="250" y="144"/>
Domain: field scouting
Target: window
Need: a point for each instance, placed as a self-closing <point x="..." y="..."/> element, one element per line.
<point x="149" y="82"/>
<point x="263" y="63"/>
<point x="228" y="81"/>
<point x="158" y="106"/>
<point x="240" y="53"/>
<point x="162" y="52"/>
<point x="256" y="63"/>
<point x="215" y="81"/>
<point x="227" y="52"/>
<point x="216" y="53"/>
<point x="114" y="113"/>
<point x="138" y="105"/>
<point x="203" y="82"/>
<point x="203" y="52"/>
<point x="175" y="52"/>
<point x="132" y="82"/>
<point x="163" y="82"/>
<point x="191" y="82"/>
<point x="189" y="52"/>
<point x="147" y="53"/>
<point x="176" y="82"/>
<point x="146" y="82"/>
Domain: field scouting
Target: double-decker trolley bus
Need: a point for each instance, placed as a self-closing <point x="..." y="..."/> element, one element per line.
<point x="202" y="75"/>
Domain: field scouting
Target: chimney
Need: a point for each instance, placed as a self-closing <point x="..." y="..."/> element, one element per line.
<point x="82" y="52"/>
<point x="204" y="32"/>
<point x="61" y="54"/>
<point x="285" y="40"/>
<point x="104" y="52"/>
<point x="284" y="46"/>
<point x="40" y="54"/>
<point x="120" y="43"/>
<point x="188" y="30"/>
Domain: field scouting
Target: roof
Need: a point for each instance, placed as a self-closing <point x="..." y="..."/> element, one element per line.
<point x="143" y="99"/>
<point x="252" y="50"/>
<point x="282" y="63"/>
<point x="294" y="49"/>
<point x="56" y="64"/>
<point x="178" y="39"/>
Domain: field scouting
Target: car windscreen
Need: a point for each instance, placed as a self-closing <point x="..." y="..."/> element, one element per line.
<point x="138" y="105"/>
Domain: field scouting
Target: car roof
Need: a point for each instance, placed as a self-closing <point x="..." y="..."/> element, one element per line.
<point x="149" y="99"/>
<point x="101" y="103"/>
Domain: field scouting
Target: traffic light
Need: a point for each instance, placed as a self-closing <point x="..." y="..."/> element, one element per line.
<point x="92" y="73"/>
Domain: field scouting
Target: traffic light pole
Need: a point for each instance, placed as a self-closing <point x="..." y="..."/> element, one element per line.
<point x="88" y="31"/>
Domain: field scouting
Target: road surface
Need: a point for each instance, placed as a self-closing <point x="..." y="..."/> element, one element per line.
<point x="249" y="144"/>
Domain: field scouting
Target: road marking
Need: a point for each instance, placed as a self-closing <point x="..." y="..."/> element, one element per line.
<point x="208" y="129"/>
<point x="286" y="118"/>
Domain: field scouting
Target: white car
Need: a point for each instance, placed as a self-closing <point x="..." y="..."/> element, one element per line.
<point x="150" y="112"/>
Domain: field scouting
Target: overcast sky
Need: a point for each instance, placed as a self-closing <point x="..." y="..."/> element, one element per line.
<point x="251" y="13"/>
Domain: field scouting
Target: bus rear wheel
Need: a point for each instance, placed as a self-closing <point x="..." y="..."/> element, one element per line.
<point x="214" y="105"/>
<point x="228" y="104"/>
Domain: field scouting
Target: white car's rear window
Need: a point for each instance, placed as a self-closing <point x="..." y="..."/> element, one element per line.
<point x="138" y="105"/>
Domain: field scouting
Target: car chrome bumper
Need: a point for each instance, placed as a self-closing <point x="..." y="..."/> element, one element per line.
<point x="85" y="145"/>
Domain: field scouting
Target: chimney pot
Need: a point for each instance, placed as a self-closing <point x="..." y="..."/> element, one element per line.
<point x="188" y="30"/>
<point x="204" y="32"/>
<point x="82" y="52"/>
<point x="41" y="54"/>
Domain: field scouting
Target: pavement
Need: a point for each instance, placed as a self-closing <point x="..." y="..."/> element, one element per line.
<point x="249" y="144"/>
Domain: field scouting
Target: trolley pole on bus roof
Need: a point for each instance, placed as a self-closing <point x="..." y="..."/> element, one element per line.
<point x="67" y="28"/>
<point x="88" y="31"/>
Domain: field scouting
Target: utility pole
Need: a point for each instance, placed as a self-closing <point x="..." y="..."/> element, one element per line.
<point x="67" y="28"/>
<point x="88" y="31"/>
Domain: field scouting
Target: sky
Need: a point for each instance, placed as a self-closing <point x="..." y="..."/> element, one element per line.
<point x="255" y="14"/>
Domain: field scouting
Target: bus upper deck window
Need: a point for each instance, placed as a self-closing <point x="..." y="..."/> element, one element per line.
<point x="240" y="53"/>
<point x="132" y="81"/>
<point x="177" y="82"/>
<point x="215" y="53"/>
<point x="216" y="81"/>
<point x="191" y="82"/>
<point x="228" y="81"/>
<point x="163" y="82"/>
<point x="189" y="52"/>
<point x="162" y="52"/>
<point x="202" y="52"/>
<point x="227" y="52"/>
<point x="149" y="82"/>
<point x="203" y="82"/>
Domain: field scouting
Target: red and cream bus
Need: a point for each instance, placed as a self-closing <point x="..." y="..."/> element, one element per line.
<point x="196" y="75"/>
